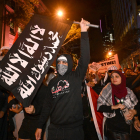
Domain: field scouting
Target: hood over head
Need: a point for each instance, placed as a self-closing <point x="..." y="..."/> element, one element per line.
<point x="68" y="58"/>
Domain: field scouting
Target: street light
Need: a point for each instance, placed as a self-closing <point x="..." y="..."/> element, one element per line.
<point x="60" y="13"/>
<point x="109" y="53"/>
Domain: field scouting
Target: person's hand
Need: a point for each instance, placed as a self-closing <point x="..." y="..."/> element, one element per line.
<point x="118" y="106"/>
<point x="131" y="114"/>
<point x="38" y="133"/>
<point x="1" y="114"/>
<point x="137" y="124"/>
<point x="83" y="25"/>
<point x="30" y="109"/>
<point x="17" y="109"/>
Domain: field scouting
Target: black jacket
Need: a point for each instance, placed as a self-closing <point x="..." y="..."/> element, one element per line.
<point x="63" y="102"/>
<point x="37" y="102"/>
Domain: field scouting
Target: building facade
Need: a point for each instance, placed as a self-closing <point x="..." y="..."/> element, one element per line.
<point x="107" y="33"/>
<point x="126" y="18"/>
<point x="106" y="27"/>
<point x="8" y="32"/>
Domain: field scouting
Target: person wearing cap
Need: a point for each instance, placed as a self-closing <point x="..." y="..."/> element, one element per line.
<point x="63" y="101"/>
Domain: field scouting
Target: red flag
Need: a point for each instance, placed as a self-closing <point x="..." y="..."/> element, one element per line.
<point x="97" y="116"/>
<point x="16" y="36"/>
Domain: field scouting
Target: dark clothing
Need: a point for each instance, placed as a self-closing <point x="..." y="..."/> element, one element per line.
<point x="137" y="108"/>
<point x="97" y="88"/>
<point x="88" y="125"/>
<point x="3" y="128"/>
<point x="58" y="133"/>
<point x="12" y="102"/>
<point x="37" y="102"/>
<point x="105" y="108"/>
<point x="30" y="122"/>
<point x="136" y="90"/>
<point x="3" y="101"/>
<point x="63" y="101"/>
<point x="11" y="114"/>
<point x="135" y="134"/>
<point x="116" y="123"/>
<point x="130" y="82"/>
<point x="100" y="85"/>
<point x="85" y="102"/>
<point x="104" y="80"/>
<point x="3" y="120"/>
<point x="135" y="85"/>
<point x="28" y="128"/>
<point x="107" y="80"/>
<point x="89" y="130"/>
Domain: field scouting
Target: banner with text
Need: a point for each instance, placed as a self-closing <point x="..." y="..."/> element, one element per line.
<point x="23" y="68"/>
<point x="103" y="65"/>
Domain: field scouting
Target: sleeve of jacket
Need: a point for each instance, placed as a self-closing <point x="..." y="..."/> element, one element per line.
<point x="85" y="56"/>
<point x="47" y="105"/>
<point x="105" y="108"/>
<point x="4" y="108"/>
<point x="137" y="108"/>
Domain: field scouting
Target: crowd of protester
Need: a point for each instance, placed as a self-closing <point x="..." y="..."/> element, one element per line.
<point x="68" y="116"/>
<point x="114" y="98"/>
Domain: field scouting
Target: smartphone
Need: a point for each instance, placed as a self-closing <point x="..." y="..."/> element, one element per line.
<point x="13" y="106"/>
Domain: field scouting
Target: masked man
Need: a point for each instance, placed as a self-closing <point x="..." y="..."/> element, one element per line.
<point x="63" y="101"/>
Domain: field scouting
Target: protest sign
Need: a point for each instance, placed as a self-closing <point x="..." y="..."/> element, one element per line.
<point x="103" y="65"/>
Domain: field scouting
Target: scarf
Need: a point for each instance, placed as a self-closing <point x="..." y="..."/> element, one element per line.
<point x="120" y="90"/>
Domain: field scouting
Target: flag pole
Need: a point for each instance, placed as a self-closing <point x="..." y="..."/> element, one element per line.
<point x="90" y="25"/>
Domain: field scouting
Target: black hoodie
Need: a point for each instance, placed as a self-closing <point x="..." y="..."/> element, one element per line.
<point x="63" y="101"/>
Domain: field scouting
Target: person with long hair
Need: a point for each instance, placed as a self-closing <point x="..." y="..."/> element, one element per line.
<point x="117" y="103"/>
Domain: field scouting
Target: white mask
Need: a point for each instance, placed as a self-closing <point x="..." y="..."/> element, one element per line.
<point x="62" y="69"/>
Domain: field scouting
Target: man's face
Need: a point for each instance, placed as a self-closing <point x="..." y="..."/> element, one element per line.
<point x="62" y="67"/>
<point x="91" y="75"/>
<point x="128" y="72"/>
<point x="63" y="63"/>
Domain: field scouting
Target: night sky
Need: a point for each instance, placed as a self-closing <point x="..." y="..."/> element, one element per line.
<point x="90" y="10"/>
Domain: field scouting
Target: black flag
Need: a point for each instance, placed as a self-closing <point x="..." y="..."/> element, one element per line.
<point x="23" y="68"/>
